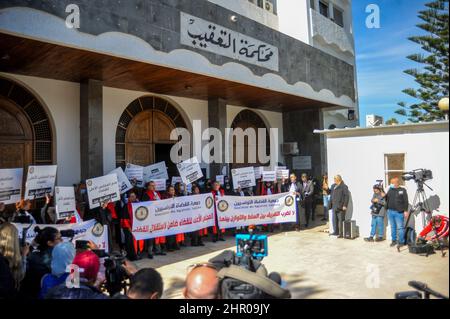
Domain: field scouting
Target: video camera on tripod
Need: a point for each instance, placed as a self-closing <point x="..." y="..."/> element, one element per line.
<point x="242" y="274"/>
<point x="418" y="175"/>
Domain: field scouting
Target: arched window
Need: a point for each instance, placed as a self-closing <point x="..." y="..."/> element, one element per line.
<point x="143" y="132"/>
<point x="26" y="136"/>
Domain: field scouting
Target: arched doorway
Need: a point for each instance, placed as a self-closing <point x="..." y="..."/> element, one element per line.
<point x="26" y="137"/>
<point x="244" y="120"/>
<point x="143" y="132"/>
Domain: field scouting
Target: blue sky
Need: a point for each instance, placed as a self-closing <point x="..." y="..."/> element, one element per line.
<point x="381" y="55"/>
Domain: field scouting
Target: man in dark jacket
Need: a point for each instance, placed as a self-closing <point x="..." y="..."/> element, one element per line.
<point x="340" y="197"/>
<point x="307" y="197"/>
<point x="397" y="208"/>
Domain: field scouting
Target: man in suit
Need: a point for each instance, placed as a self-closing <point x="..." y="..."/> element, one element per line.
<point x="340" y="197"/>
<point x="307" y="197"/>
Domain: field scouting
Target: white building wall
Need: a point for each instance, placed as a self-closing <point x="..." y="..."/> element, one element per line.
<point x="294" y="19"/>
<point x="62" y="100"/>
<point x="360" y="160"/>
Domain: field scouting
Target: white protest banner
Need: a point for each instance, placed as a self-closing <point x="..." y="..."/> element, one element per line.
<point x="10" y="185"/>
<point x="124" y="182"/>
<point x="89" y="231"/>
<point x="220" y="179"/>
<point x="160" y="184"/>
<point x="40" y="181"/>
<point x="269" y="176"/>
<point x="155" y="171"/>
<point x="65" y="202"/>
<point x="236" y="211"/>
<point x="243" y="177"/>
<point x="176" y="180"/>
<point x="258" y="172"/>
<point x="172" y="216"/>
<point x="135" y="172"/>
<point x="101" y="189"/>
<point x="282" y="173"/>
<point x="190" y="170"/>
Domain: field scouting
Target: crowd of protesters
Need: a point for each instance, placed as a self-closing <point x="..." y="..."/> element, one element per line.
<point x="39" y="270"/>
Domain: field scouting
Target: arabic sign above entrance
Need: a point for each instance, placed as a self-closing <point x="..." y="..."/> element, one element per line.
<point x="204" y="35"/>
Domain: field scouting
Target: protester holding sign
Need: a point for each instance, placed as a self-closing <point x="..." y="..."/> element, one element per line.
<point x="126" y="223"/>
<point x="156" y="244"/>
<point x="174" y="241"/>
<point x="216" y="232"/>
<point x="22" y="214"/>
<point x="196" y="236"/>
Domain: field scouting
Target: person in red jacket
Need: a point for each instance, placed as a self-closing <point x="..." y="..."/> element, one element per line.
<point x="439" y="229"/>
<point x="158" y="243"/>
<point x="217" y="192"/>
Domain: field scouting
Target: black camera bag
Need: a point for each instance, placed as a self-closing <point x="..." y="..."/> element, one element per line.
<point x="421" y="249"/>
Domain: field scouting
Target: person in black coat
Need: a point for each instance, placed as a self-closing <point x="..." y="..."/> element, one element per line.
<point x="340" y="197"/>
<point x="307" y="197"/>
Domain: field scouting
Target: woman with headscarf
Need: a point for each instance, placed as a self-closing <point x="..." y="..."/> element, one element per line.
<point x="62" y="256"/>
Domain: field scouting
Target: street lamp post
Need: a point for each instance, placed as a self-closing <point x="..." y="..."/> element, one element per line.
<point x="443" y="106"/>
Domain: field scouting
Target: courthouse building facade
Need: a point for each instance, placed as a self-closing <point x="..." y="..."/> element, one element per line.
<point x="109" y="91"/>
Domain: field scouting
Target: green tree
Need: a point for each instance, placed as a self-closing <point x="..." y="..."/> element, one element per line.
<point x="392" y="121"/>
<point x="433" y="76"/>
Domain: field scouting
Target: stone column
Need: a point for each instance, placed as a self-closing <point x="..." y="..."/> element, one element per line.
<point x="217" y="118"/>
<point x="91" y="128"/>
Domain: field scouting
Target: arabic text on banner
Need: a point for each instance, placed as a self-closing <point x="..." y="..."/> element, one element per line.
<point x="65" y="202"/>
<point x="10" y="185"/>
<point x="40" y="181"/>
<point x="172" y="216"/>
<point x="243" y="177"/>
<point x="236" y="211"/>
<point x="102" y="189"/>
<point x="90" y="231"/>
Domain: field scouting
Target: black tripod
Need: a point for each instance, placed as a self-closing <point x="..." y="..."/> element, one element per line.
<point x="420" y="203"/>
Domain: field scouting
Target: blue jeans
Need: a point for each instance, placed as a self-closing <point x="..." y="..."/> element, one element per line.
<point x="397" y="222"/>
<point x="377" y="224"/>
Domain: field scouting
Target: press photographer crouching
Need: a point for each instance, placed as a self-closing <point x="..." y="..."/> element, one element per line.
<point x="238" y="275"/>
<point x="436" y="232"/>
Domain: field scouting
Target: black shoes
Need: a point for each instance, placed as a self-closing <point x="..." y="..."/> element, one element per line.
<point x="394" y="243"/>
<point x="379" y="239"/>
<point x="369" y="239"/>
<point x="150" y="256"/>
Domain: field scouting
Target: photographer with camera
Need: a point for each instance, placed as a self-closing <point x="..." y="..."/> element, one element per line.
<point x="397" y="208"/>
<point x="438" y="227"/>
<point x="378" y="213"/>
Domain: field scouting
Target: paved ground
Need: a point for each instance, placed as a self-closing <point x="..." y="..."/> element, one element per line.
<point x="315" y="265"/>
